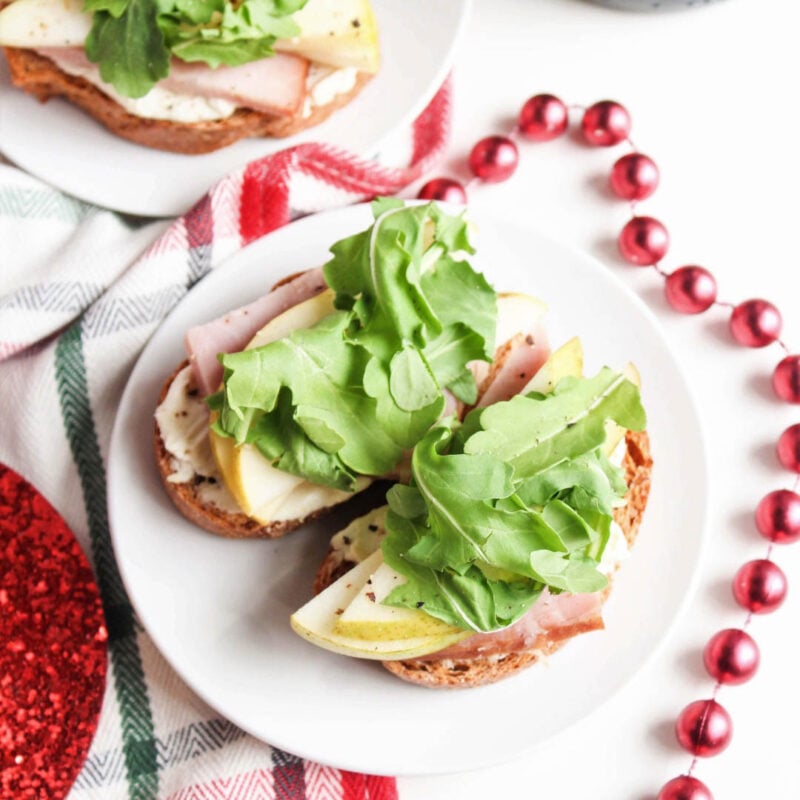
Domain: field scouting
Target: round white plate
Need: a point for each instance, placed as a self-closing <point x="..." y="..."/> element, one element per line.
<point x="219" y="609"/>
<point x="60" y="144"/>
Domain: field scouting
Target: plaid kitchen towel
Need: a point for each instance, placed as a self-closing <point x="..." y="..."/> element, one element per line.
<point x="81" y="290"/>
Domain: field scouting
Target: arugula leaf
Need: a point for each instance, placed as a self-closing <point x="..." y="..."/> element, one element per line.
<point x="133" y="40"/>
<point x="534" y="432"/>
<point x="352" y="394"/>
<point x="127" y="45"/>
<point x="404" y="287"/>
<point x="518" y="498"/>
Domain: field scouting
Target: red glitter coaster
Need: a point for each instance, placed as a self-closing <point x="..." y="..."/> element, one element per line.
<point x="53" y="644"/>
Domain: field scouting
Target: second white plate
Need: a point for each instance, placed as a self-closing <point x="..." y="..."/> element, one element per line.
<point x="58" y="143"/>
<point x="219" y="609"/>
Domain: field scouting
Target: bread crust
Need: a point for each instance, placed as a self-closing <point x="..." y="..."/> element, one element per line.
<point x="39" y="76"/>
<point x="459" y="673"/>
<point x="186" y="498"/>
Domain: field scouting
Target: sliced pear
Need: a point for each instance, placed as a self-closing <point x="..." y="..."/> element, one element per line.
<point x="567" y="360"/>
<point x="367" y="618"/>
<point x="295" y="318"/>
<point x="340" y="33"/>
<point x="362" y="537"/>
<point x="263" y="492"/>
<point x="316" y="622"/>
<point x="44" y="23"/>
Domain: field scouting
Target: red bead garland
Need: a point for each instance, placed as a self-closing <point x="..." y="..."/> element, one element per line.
<point x="542" y="118"/>
<point x="494" y="159"/>
<point x="690" y="289"/>
<point x="704" y="727"/>
<point x="643" y="241"/>
<point x="443" y="189"/>
<point x="605" y="124"/>
<point x="786" y="379"/>
<point x="789" y="448"/>
<point x="634" y="177"/>
<point x="731" y="656"/>
<point x="778" y="517"/>
<point x="760" y="586"/>
<point x="755" y="323"/>
<point x="685" y="787"/>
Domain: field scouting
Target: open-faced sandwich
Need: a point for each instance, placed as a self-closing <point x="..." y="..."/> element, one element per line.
<point x="192" y="77"/>
<point x="518" y="483"/>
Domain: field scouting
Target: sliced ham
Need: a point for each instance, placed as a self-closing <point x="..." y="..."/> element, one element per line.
<point x="275" y="85"/>
<point x="516" y="362"/>
<point x="552" y="617"/>
<point x="231" y="332"/>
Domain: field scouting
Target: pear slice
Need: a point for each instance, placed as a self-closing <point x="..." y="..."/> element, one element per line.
<point x="263" y="492"/>
<point x="44" y="23"/>
<point x="316" y="622"/>
<point x="567" y="360"/>
<point x="340" y="33"/>
<point x="367" y="618"/>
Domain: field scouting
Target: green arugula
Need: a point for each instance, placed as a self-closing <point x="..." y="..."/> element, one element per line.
<point x="133" y="40"/>
<point x="517" y="498"/>
<point x="352" y="394"/>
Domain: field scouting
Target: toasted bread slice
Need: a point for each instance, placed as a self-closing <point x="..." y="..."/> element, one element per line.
<point x="40" y="77"/>
<point x="188" y="495"/>
<point x="467" y="672"/>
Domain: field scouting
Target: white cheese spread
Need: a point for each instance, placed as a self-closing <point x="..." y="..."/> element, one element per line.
<point x="183" y="421"/>
<point x="324" y="84"/>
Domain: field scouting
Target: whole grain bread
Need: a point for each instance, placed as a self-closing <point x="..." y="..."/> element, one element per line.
<point x="39" y="76"/>
<point x="186" y="495"/>
<point x="480" y="670"/>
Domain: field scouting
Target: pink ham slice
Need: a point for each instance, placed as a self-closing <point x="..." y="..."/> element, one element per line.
<point x="275" y="85"/>
<point x="516" y="362"/>
<point x="232" y="332"/>
<point x="554" y="616"/>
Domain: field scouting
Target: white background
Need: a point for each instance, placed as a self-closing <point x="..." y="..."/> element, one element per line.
<point x="713" y="95"/>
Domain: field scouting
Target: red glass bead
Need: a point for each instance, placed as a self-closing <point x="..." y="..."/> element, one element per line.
<point x="760" y="586"/>
<point x="542" y="118"/>
<point x="786" y="379"/>
<point x="704" y="728"/>
<point x="606" y="123"/>
<point x="634" y="177"/>
<point x="789" y="448"/>
<point x="731" y="656"/>
<point x="444" y="189"/>
<point x="691" y="289"/>
<point x="755" y="323"/>
<point x="494" y="159"/>
<point x="643" y="241"/>
<point x="685" y="787"/>
<point x="778" y="516"/>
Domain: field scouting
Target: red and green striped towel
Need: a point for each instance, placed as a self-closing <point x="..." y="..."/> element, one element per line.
<point x="81" y="290"/>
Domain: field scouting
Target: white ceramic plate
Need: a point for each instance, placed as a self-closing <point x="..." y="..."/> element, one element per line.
<point x="63" y="146"/>
<point x="219" y="610"/>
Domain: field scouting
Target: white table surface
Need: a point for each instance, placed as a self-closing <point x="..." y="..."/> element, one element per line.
<point x="712" y="93"/>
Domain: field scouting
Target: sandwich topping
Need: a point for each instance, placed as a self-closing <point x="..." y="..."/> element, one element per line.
<point x="352" y="394"/>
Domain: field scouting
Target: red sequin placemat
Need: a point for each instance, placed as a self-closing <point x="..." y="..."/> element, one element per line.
<point x="53" y="644"/>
